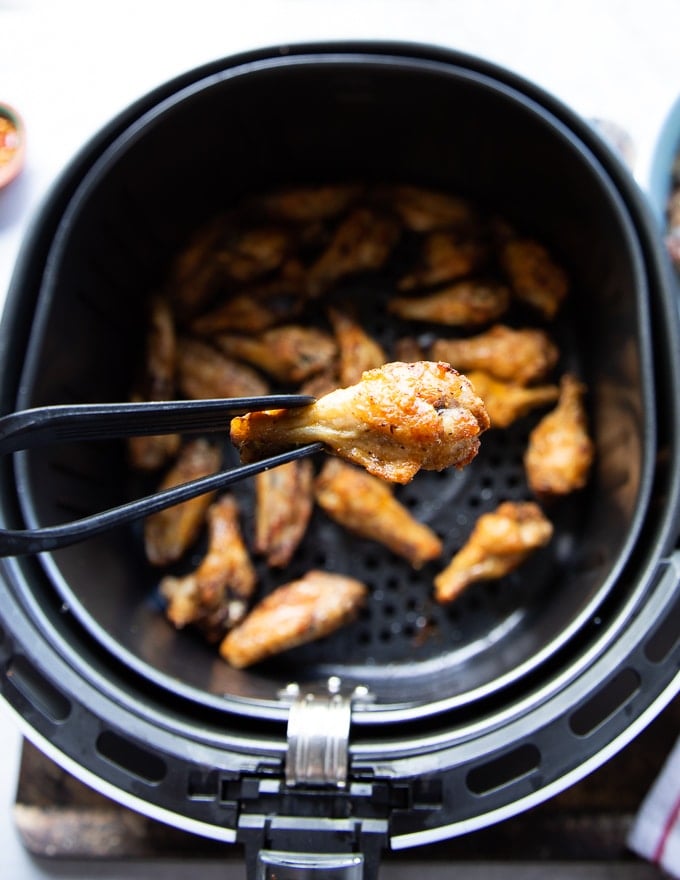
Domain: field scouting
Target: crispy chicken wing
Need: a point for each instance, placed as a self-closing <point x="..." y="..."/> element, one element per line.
<point x="357" y="350"/>
<point x="423" y="210"/>
<point x="505" y="401"/>
<point x="397" y="419"/>
<point x="296" y="613"/>
<point x="366" y="505"/>
<point x="214" y="597"/>
<point x="534" y="276"/>
<point x="284" y="501"/>
<point x="290" y="353"/>
<point x="203" y="372"/>
<point x="521" y="356"/>
<point x="498" y="544"/>
<point x="560" y="451"/>
<point x="362" y="242"/>
<point x="169" y="533"/>
<point x="302" y="204"/>
<point x="157" y="383"/>
<point x="445" y="256"/>
<point x="468" y="302"/>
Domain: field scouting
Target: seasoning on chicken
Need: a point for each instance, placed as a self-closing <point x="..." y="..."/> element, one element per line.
<point x="505" y="401"/>
<point x="357" y="350"/>
<point x="203" y="372"/>
<point x="214" y="597"/>
<point x="302" y="204"/>
<point x="534" y="276"/>
<point x="520" y="356"/>
<point x="362" y="242"/>
<point x="560" y="450"/>
<point x="445" y="256"/>
<point x="398" y="419"/>
<point x="170" y="532"/>
<point x="367" y="506"/>
<point x="423" y="210"/>
<point x="498" y="544"/>
<point x="157" y="383"/>
<point x="284" y="501"/>
<point x="290" y="353"/>
<point x="294" y="614"/>
<point x="468" y="302"/>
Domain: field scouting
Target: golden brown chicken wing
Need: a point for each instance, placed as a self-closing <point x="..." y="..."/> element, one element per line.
<point x="534" y="276"/>
<point x="204" y="372"/>
<point x="294" y="614"/>
<point x="520" y="356"/>
<point x="195" y="275"/>
<point x="290" y="353"/>
<point x="366" y="505"/>
<point x="362" y="242"/>
<point x="423" y="210"/>
<point x="284" y="501"/>
<point x="445" y="256"/>
<point x="357" y="350"/>
<point x="396" y="420"/>
<point x="498" y="544"/>
<point x="505" y="401"/>
<point x="302" y="204"/>
<point x="157" y="383"/>
<point x="169" y="533"/>
<point x="214" y="597"/>
<point x="468" y="302"/>
<point x="560" y="450"/>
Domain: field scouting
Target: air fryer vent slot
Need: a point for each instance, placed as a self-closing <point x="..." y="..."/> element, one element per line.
<point x="39" y="692"/>
<point x="606" y="702"/>
<point x="665" y="637"/>
<point x="502" y="771"/>
<point x="130" y="757"/>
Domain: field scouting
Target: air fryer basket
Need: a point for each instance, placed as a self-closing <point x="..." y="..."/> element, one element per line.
<point x="490" y="703"/>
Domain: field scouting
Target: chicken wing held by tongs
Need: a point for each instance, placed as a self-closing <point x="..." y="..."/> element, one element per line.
<point x="398" y="419"/>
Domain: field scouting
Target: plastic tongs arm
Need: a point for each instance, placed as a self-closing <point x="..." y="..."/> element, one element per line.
<point x="51" y="425"/>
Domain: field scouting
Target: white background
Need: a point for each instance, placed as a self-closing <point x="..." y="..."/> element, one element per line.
<point x="70" y="65"/>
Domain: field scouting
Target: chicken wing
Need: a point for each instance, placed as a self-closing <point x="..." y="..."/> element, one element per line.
<point x="560" y="450"/>
<point x="423" y="210"/>
<point x="521" y="356"/>
<point x="157" y="383"/>
<point x="357" y="350"/>
<point x="290" y="353"/>
<point x="296" y="613"/>
<point x="498" y="544"/>
<point x="468" y="302"/>
<point x="214" y="597"/>
<point x="169" y="533"/>
<point x="366" y="505"/>
<point x="397" y="419"/>
<point x="225" y="252"/>
<point x="505" y="401"/>
<point x="256" y="308"/>
<point x="362" y="242"/>
<point x="445" y="256"/>
<point x="203" y="372"/>
<point x="283" y="506"/>
<point x="534" y="276"/>
<point x="302" y="204"/>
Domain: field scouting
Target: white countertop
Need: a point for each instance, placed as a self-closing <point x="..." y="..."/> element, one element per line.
<point x="69" y="66"/>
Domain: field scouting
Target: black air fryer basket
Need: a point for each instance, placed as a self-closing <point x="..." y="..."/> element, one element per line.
<point x="420" y="722"/>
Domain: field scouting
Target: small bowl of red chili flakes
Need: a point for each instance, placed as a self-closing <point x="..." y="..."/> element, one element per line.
<point x="12" y="144"/>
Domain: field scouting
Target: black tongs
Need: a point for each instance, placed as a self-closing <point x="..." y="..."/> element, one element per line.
<point x="50" y="425"/>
